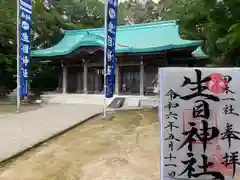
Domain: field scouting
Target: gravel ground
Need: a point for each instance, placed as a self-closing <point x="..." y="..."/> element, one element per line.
<point x="125" y="147"/>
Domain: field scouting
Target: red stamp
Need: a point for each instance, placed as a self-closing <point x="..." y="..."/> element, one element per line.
<point x="218" y="83"/>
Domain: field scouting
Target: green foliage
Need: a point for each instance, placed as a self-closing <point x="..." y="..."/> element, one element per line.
<point x="217" y="23"/>
<point x="49" y="22"/>
<point x="135" y="11"/>
<point x="7" y="43"/>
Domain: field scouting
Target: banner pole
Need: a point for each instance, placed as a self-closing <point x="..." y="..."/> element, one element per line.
<point x="18" y="62"/>
<point x="105" y="60"/>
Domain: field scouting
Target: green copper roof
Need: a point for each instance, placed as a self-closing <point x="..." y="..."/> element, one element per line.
<point x="151" y="37"/>
<point x="198" y="53"/>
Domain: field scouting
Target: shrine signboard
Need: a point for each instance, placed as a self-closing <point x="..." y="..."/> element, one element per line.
<point x="200" y="124"/>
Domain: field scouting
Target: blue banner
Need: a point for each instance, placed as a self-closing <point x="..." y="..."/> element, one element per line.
<point x="25" y="16"/>
<point x="112" y="9"/>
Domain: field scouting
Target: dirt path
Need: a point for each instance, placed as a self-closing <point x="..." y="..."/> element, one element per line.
<point x="127" y="147"/>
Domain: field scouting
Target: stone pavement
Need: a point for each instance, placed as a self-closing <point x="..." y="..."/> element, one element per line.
<point x="19" y="132"/>
<point x="97" y="99"/>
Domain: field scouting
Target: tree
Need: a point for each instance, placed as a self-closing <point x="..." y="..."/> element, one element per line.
<point x="52" y="18"/>
<point x="81" y="13"/>
<point x="49" y="20"/>
<point x="47" y="25"/>
<point x="135" y="11"/>
<point x="7" y="42"/>
<point x="217" y="23"/>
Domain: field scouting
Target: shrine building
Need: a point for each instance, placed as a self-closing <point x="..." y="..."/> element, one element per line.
<point x="140" y="50"/>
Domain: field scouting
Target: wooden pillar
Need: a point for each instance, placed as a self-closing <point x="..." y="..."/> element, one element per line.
<point x="59" y="82"/>
<point x="97" y="81"/>
<point x="85" y="77"/>
<point x="64" y="79"/>
<point x="117" y="77"/>
<point x="59" y="88"/>
<point x="142" y="77"/>
<point x="79" y="82"/>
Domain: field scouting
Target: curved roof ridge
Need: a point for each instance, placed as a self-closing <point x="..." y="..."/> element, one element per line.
<point x="148" y="26"/>
<point x="94" y="35"/>
<point x="125" y="27"/>
<point x="54" y="46"/>
<point x="99" y="38"/>
<point x="149" y="37"/>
